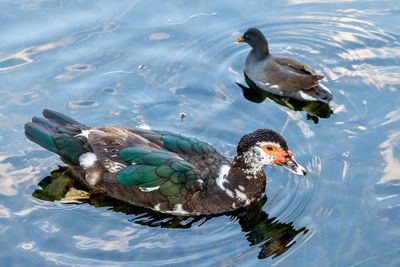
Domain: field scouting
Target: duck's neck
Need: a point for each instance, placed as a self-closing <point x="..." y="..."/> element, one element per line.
<point x="247" y="178"/>
<point x="261" y="50"/>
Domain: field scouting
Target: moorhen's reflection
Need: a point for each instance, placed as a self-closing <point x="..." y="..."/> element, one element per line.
<point x="314" y="109"/>
<point x="274" y="237"/>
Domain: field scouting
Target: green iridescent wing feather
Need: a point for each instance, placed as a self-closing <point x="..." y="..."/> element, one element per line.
<point x="154" y="168"/>
<point x="181" y="144"/>
<point x="176" y="142"/>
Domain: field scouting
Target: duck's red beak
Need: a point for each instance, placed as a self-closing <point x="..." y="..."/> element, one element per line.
<point x="285" y="159"/>
<point x="294" y="167"/>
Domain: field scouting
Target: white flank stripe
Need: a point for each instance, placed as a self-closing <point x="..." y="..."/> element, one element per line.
<point x="325" y="88"/>
<point x="306" y="96"/>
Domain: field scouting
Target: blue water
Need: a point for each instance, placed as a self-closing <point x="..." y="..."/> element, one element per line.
<point x="147" y="63"/>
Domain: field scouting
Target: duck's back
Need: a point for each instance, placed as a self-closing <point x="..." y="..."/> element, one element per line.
<point x="200" y="154"/>
<point x="153" y="169"/>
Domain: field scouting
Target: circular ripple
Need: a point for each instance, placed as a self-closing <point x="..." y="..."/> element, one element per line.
<point x="343" y="48"/>
<point x="158" y="36"/>
<point x="110" y="90"/>
<point x="79" y="104"/>
<point x="79" y="67"/>
<point x="337" y="46"/>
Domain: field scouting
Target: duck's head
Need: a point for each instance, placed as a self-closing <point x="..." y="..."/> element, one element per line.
<point x="255" y="38"/>
<point x="266" y="147"/>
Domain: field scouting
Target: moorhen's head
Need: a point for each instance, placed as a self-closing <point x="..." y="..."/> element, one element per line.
<point x="254" y="37"/>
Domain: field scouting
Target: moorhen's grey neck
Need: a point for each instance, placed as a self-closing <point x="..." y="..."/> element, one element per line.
<point x="256" y="39"/>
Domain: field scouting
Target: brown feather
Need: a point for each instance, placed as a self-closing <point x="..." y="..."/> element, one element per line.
<point x="290" y="73"/>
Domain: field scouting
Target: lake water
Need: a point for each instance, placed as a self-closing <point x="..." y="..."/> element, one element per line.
<point x="147" y="63"/>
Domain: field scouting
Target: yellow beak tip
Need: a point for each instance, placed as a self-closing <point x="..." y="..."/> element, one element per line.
<point x="239" y="40"/>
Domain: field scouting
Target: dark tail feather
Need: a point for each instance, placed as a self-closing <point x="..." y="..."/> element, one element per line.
<point x="58" y="134"/>
<point x="44" y="123"/>
<point x="62" y="120"/>
<point x="40" y="135"/>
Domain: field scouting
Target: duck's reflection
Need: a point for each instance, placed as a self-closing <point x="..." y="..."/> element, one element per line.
<point x="274" y="237"/>
<point x="314" y="109"/>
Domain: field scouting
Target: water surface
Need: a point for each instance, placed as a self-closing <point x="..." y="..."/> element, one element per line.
<point x="147" y="63"/>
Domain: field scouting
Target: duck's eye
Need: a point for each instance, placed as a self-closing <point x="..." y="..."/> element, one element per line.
<point x="245" y="36"/>
<point x="270" y="149"/>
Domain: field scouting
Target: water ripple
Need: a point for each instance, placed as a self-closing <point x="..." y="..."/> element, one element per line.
<point x="326" y="41"/>
<point x="78" y="104"/>
<point x="186" y="67"/>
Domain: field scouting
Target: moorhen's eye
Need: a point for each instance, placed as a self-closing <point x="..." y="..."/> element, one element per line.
<point x="246" y="36"/>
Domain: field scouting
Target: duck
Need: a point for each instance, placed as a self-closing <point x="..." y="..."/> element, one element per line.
<point x="161" y="170"/>
<point x="282" y="76"/>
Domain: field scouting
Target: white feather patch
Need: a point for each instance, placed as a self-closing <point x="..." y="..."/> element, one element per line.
<point x="113" y="166"/>
<point x="94" y="177"/>
<point x="149" y="189"/>
<point x="87" y="160"/>
<point x="256" y="158"/>
<point x="241" y="196"/>
<point x="179" y="210"/>
<point x="84" y="133"/>
<point x="248" y="201"/>
<point x="222" y="178"/>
